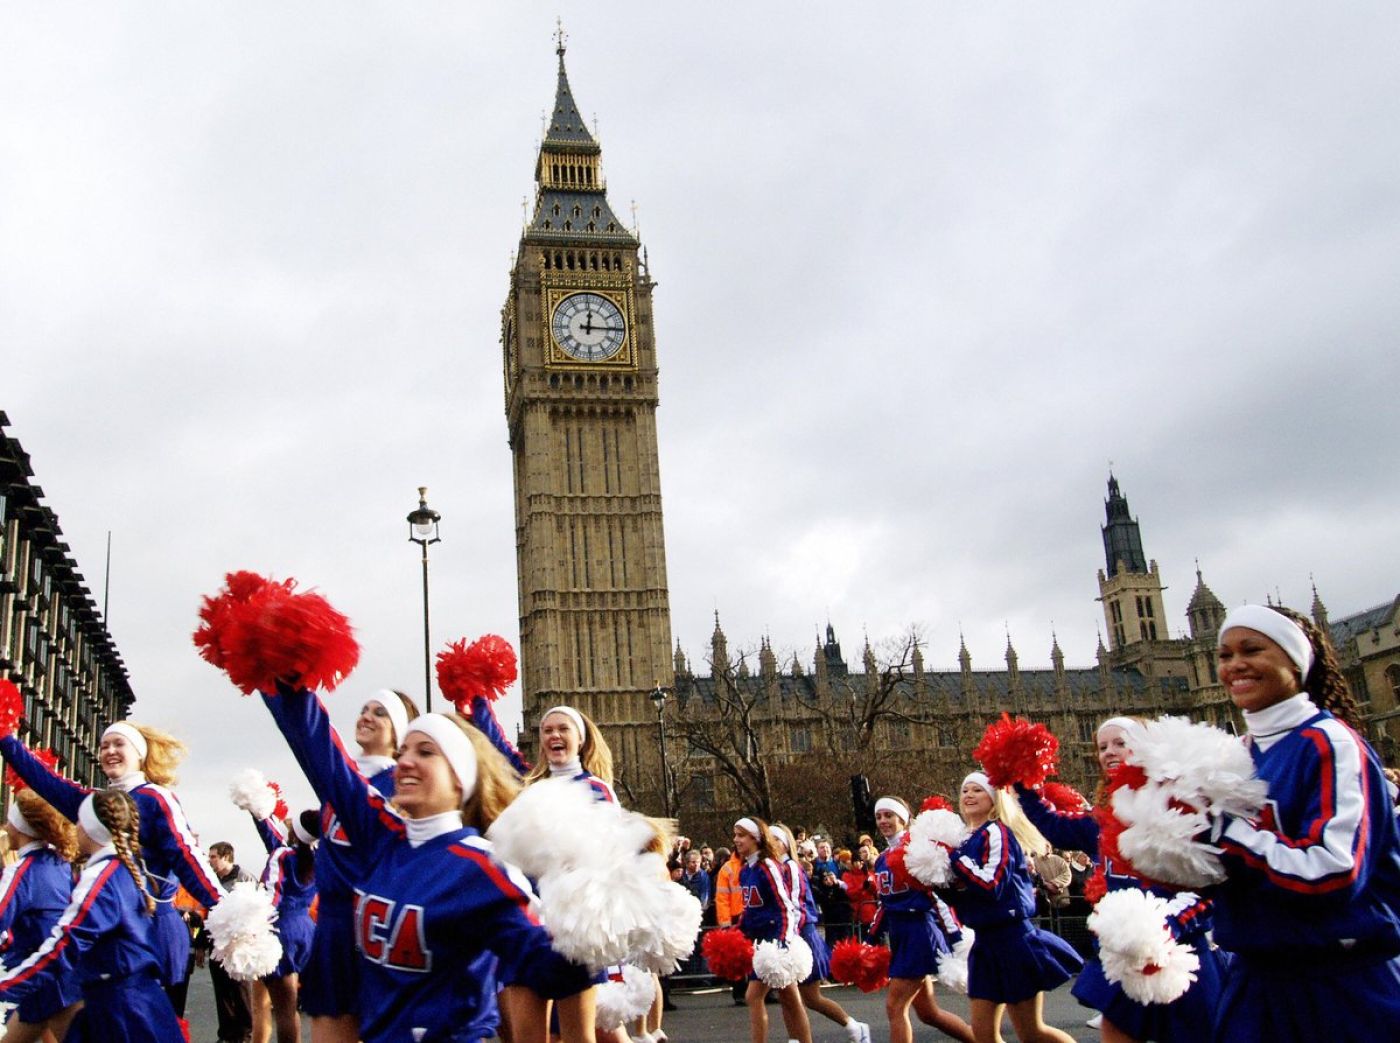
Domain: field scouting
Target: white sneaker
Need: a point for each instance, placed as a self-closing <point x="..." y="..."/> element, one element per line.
<point x="859" y="1032"/>
<point x="1095" y="1022"/>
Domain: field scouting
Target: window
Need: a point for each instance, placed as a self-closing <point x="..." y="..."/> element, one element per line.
<point x="702" y="791"/>
<point x="801" y="739"/>
<point x="1392" y="677"/>
<point x="1088" y="730"/>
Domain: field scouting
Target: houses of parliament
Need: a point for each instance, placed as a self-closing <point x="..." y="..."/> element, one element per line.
<point x="709" y="740"/>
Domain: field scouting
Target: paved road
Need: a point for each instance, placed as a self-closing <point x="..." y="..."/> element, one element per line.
<point x="709" y="1016"/>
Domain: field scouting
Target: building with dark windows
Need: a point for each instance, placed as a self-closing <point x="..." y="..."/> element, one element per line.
<point x="54" y="644"/>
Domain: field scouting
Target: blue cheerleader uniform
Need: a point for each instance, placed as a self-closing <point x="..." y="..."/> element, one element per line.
<point x="1311" y="905"/>
<point x="1011" y="958"/>
<point x="432" y="904"/>
<point x="329" y="985"/>
<point x="291" y="897"/>
<point x="34" y="892"/>
<point x="168" y="847"/>
<point x="919" y="926"/>
<point x="104" y="942"/>
<point x="799" y="885"/>
<point x="771" y="912"/>
<point x="1190" y="1016"/>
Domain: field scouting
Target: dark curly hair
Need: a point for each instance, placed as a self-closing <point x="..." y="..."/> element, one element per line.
<point x="1325" y="683"/>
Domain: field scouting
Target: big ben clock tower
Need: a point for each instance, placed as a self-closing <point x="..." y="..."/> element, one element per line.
<point x="579" y="354"/>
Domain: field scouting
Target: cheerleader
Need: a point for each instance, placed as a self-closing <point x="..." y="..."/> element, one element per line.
<point x="1125" y="1020"/>
<point x="1012" y="962"/>
<point x="105" y="940"/>
<point x="141" y="760"/>
<point x="811" y="988"/>
<point x="34" y="892"/>
<point x="432" y="901"/>
<point x="329" y="979"/>
<point x="290" y="877"/>
<point x="919" y="927"/>
<point x="1311" y="906"/>
<point x="771" y="913"/>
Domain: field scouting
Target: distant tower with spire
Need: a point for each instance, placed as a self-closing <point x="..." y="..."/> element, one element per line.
<point x="1130" y="589"/>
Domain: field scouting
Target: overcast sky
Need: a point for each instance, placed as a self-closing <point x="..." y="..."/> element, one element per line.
<point x="921" y="276"/>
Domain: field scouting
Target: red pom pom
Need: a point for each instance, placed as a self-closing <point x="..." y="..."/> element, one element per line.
<point x="1064" y="798"/>
<point x="484" y="667"/>
<point x="1095" y="887"/>
<point x="184" y="1029"/>
<point x="867" y="967"/>
<point x="937" y="802"/>
<point x="728" y="954"/>
<point x="47" y="758"/>
<point x="280" y="809"/>
<point x="1125" y="776"/>
<point x="259" y="632"/>
<point x="11" y="707"/>
<point x="1017" y="751"/>
<point x="894" y="862"/>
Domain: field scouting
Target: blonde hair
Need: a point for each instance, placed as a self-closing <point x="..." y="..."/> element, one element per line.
<point x="118" y="812"/>
<point x="50" y="826"/>
<point x="663" y="833"/>
<point x="164" y="753"/>
<point x="1006" y="809"/>
<point x="496" y="782"/>
<point x="594" y="754"/>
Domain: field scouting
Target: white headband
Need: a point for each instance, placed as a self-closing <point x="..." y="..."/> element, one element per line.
<point x="394" y="707"/>
<point x="303" y="834"/>
<point x="130" y="734"/>
<point x="749" y="826"/>
<point x="1285" y="633"/>
<point x="895" y="805"/>
<point x="1129" y="725"/>
<point x="571" y="714"/>
<point x="454" y="744"/>
<point x="92" y="825"/>
<point x="980" y="779"/>
<point x="16" y="819"/>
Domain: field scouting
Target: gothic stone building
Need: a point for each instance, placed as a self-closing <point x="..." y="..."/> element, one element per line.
<point x="911" y="729"/>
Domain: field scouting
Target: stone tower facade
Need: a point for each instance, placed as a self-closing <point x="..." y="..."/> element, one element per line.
<point x="1130" y="589"/>
<point x="579" y="357"/>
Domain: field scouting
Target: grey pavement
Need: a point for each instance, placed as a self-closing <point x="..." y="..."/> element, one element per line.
<point x="709" y="1016"/>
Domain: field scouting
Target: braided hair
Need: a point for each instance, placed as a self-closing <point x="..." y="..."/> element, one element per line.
<point x="1325" y="683"/>
<point x="118" y="812"/>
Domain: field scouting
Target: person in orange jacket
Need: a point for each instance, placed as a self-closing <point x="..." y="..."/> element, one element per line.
<point x="729" y="905"/>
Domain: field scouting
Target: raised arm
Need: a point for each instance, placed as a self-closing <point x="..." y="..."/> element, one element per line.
<point x="271" y="836"/>
<point x="484" y="717"/>
<point x="64" y="794"/>
<point x="1070" y="831"/>
<point x="362" y="809"/>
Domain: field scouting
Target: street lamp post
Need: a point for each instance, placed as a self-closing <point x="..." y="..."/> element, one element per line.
<point x="423" y="530"/>
<point x="658" y="696"/>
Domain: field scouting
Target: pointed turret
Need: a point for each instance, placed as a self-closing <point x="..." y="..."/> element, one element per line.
<point x="835" y="665"/>
<point x="1013" y="665"/>
<point x="678" y="661"/>
<point x="719" y="648"/>
<point x="767" y="662"/>
<point x="1319" y="610"/>
<point x="1122" y="539"/>
<point x="1057" y="657"/>
<point x="964" y="656"/>
<point x="571" y="199"/>
<point x="1204" y="612"/>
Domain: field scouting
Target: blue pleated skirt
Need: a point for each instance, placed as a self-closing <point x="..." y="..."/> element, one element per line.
<point x="296" y="932"/>
<point x="1012" y="962"/>
<point x="915" y="944"/>
<point x="821" y="956"/>
<point x="132" y="1010"/>
<point x="330" y="976"/>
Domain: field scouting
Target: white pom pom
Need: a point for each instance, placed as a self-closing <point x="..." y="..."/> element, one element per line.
<point x="940" y="826"/>
<point x="241" y="928"/>
<point x="1158" y="838"/>
<point x="778" y="966"/>
<point x="1137" y="950"/>
<point x="952" y="966"/>
<point x="671" y="924"/>
<point x="1207" y="768"/>
<point x="603" y="901"/>
<point x="926" y="853"/>
<point x="627" y="1000"/>
<point x="251" y="791"/>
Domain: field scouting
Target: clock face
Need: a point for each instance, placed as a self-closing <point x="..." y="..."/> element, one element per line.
<point x="588" y="327"/>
